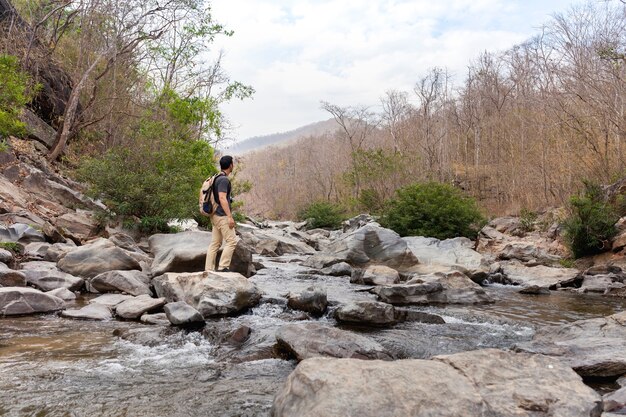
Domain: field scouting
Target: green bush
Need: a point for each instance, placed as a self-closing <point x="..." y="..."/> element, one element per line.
<point x="11" y="246"/>
<point x="432" y="209"/>
<point x="591" y="223"/>
<point x="14" y="95"/>
<point x="322" y="214"/>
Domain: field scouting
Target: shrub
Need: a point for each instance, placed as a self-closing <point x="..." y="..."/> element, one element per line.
<point x="432" y="209"/>
<point x="591" y="223"/>
<point x="527" y="220"/>
<point x="14" y="95"/>
<point x="322" y="214"/>
<point x="11" y="246"/>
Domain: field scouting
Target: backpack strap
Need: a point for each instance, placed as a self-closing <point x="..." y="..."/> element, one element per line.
<point x="214" y="190"/>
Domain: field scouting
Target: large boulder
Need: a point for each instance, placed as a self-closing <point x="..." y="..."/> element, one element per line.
<point x="527" y="252"/>
<point x="95" y="258"/>
<point x="375" y="275"/>
<point x="186" y="252"/>
<point x="275" y="242"/>
<point x="130" y="282"/>
<point x="180" y="313"/>
<point x="366" y="312"/>
<point x="11" y="278"/>
<point x="457" y="252"/>
<point x="211" y="293"/>
<point x="23" y="300"/>
<point x="135" y="307"/>
<point x="308" y="340"/>
<point x="488" y="383"/>
<point x="78" y="225"/>
<point x="370" y="244"/>
<point x="594" y="347"/>
<point x="21" y="233"/>
<point x="111" y="300"/>
<point x="540" y="275"/>
<point x="46" y="277"/>
<point x="440" y="288"/>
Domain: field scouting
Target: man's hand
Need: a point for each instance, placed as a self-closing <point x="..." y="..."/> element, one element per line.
<point x="231" y="222"/>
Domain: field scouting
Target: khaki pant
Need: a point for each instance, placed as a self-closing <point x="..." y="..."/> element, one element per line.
<point x="221" y="232"/>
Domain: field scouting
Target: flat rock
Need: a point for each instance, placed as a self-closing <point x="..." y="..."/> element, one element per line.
<point x="133" y="308"/>
<point x="542" y="276"/>
<point x="375" y="275"/>
<point x="93" y="311"/>
<point x="159" y="319"/>
<point x="111" y="300"/>
<point x="46" y="278"/>
<point x="25" y="300"/>
<point x="129" y="282"/>
<point x="534" y="290"/>
<point x="95" y="258"/>
<point x="186" y="252"/>
<point x="275" y="242"/>
<point x="594" y="347"/>
<point x="62" y="293"/>
<point x="312" y="300"/>
<point x="179" y="313"/>
<point x="211" y="293"/>
<point x="371" y="313"/>
<point x="307" y="340"/>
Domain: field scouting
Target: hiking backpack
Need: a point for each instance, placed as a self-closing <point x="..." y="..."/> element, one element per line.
<point x="207" y="202"/>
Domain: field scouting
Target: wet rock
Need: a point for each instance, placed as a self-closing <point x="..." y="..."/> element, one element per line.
<point x="312" y="300"/>
<point x="480" y="383"/>
<point x="542" y="276"/>
<point x="6" y="256"/>
<point x="405" y="314"/>
<point x="211" y="293"/>
<point x="308" y="340"/>
<point x="24" y="300"/>
<point x="369" y="244"/>
<point x="451" y="288"/>
<point x="95" y="258"/>
<point x="158" y="319"/>
<point x="371" y="313"/>
<point x="147" y="336"/>
<point x="240" y="335"/>
<point x="111" y="300"/>
<point x="534" y="290"/>
<point x="62" y="293"/>
<point x="21" y="233"/>
<point x="180" y="313"/>
<point x="375" y="275"/>
<point x="130" y="282"/>
<point x="186" y="252"/>
<point x="11" y="278"/>
<point x="133" y="308"/>
<point x="615" y="402"/>
<point x="338" y="270"/>
<point x="93" y="311"/>
<point x="594" y="347"/>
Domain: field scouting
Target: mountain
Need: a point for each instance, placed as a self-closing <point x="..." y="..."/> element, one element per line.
<point x="258" y="142"/>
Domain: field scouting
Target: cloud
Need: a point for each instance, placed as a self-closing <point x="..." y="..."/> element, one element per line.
<point x="296" y="53"/>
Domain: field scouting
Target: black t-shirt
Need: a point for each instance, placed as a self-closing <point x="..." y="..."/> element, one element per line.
<point x="221" y="185"/>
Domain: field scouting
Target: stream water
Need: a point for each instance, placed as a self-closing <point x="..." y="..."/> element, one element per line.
<point x="50" y="366"/>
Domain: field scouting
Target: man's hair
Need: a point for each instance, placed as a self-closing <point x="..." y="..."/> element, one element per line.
<point x="226" y="161"/>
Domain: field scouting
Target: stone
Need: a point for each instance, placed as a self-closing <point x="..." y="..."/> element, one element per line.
<point x="62" y="293"/>
<point x="240" y="335"/>
<point x="370" y="244"/>
<point x="77" y="225"/>
<point x="405" y="314"/>
<point x="534" y="290"/>
<point x="36" y="250"/>
<point x="24" y="300"/>
<point x="158" y="319"/>
<point x="593" y="347"/>
<point x="451" y="288"/>
<point x="542" y="276"/>
<point x="375" y="275"/>
<point x="370" y="313"/>
<point x="275" y="242"/>
<point x="6" y="256"/>
<point x="124" y="241"/>
<point x="615" y="401"/>
<point x="57" y="251"/>
<point x="312" y="300"/>
<point x="111" y="300"/>
<point x="597" y="283"/>
<point x="450" y="252"/>
<point x="186" y="252"/>
<point x="93" y="311"/>
<point x="47" y="277"/>
<point x="338" y="270"/>
<point x="355" y="223"/>
<point x="211" y="293"/>
<point x="129" y="282"/>
<point x="505" y="384"/>
<point x="133" y="308"/>
<point x="308" y="340"/>
<point x="37" y="128"/>
<point x="52" y="233"/>
<point x="527" y="252"/>
<point x="21" y="233"/>
<point x="11" y="278"/>
<point x="180" y="313"/>
<point x="619" y="242"/>
<point x="92" y="259"/>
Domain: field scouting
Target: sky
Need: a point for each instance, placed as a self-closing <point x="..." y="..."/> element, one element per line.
<point x="296" y="53"/>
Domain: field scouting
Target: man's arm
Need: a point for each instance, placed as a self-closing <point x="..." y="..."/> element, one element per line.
<point x="226" y="207"/>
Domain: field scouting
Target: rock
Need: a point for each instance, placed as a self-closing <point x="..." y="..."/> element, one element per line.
<point x="111" y="300"/>
<point x="593" y="348"/>
<point x="338" y="270"/>
<point x="322" y="261"/>
<point x="451" y="288"/>
<point x="597" y="283"/>
<point x="58" y="250"/>
<point x="355" y="223"/>
<point x="11" y="278"/>
<point x="308" y="340"/>
<point x="37" y="128"/>
<point x="368" y="245"/>
<point x="615" y="401"/>
<point x="240" y="335"/>
<point x="504" y="385"/>
<point x="450" y="252"/>
<point x="53" y="233"/>
<point x="21" y="233"/>
<point x="603" y="269"/>
<point x="130" y="282"/>
<point x="36" y="250"/>
<point x="156" y="319"/>
<point x="124" y="241"/>
<point x="211" y="293"/>
<point x="133" y="308"/>
<point x="95" y="258"/>
<point x="186" y="252"/>
<point x="375" y="275"/>
<point x="371" y="313"/>
<point x="6" y="256"/>
<point x="312" y="300"/>
<point x="526" y="252"/>
<point x="24" y="300"/>
<point x="78" y="225"/>
<point x="62" y="293"/>
<point x="93" y="311"/>
<point x="180" y="313"/>
<point x="619" y="242"/>
<point x="404" y="314"/>
<point x="275" y="242"/>
<point x="542" y="276"/>
<point x="534" y="290"/>
<point x="46" y="277"/>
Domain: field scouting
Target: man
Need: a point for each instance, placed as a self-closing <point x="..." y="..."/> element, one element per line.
<point x="222" y="220"/>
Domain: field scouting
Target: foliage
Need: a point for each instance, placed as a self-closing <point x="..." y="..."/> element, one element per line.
<point x="432" y="209"/>
<point x="527" y="220"/>
<point x="591" y="223"/>
<point x="14" y="95"/>
<point x="322" y="214"/>
<point x="567" y="263"/>
<point x="11" y="246"/>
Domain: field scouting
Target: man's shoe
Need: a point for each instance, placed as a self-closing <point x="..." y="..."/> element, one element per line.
<point x="224" y="270"/>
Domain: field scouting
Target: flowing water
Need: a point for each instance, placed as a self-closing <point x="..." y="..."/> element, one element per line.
<point x="50" y="366"/>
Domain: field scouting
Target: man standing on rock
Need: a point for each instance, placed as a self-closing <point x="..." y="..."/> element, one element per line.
<point x="222" y="220"/>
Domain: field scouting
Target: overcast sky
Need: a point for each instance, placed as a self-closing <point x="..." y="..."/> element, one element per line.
<point x="296" y="53"/>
